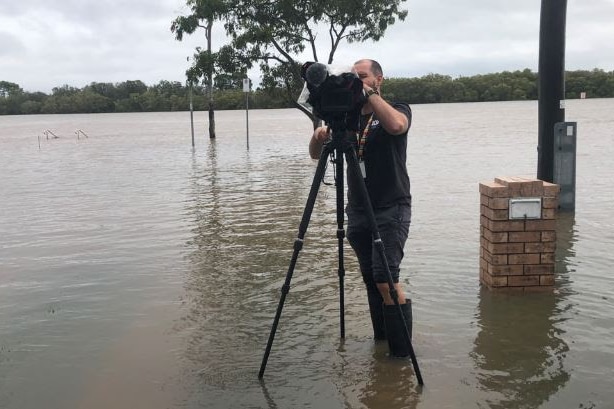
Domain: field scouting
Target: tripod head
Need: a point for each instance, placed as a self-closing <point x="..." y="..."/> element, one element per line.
<point x="342" y="136"/>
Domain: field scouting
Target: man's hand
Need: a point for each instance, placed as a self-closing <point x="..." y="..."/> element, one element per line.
<point x="320" y="135"/>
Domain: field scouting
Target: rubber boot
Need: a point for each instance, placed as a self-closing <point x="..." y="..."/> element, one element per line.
<point x="395" y="329"/>
<point x="376" y="308"/>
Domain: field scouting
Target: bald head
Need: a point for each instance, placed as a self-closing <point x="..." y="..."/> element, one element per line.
<point x="374" y="66"/>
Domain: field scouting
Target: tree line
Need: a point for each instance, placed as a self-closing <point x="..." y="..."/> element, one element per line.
<point x="135" y="96"/>
<point x="503" y="86"/>
<point x="127" y="96"/>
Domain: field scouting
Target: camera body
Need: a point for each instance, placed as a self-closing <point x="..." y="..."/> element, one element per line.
<point x="336" y="98"/>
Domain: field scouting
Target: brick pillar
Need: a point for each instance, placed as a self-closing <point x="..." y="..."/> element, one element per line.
<point x="517" y="253"/>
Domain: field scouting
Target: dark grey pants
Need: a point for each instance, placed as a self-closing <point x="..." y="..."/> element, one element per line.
<point x="393" y="226"/>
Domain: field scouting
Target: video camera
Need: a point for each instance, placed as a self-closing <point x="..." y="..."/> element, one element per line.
<point x="336" y="98"/>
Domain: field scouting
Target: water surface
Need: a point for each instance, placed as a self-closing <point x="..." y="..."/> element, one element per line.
<point x="137" y="272"/>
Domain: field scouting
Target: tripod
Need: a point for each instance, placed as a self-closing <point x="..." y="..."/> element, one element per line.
<point x="337" y="147"/>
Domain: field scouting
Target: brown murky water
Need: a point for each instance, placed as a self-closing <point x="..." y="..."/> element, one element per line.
<point x="137" y="273"/>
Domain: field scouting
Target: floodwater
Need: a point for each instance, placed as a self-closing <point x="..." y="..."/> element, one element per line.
<point x="136" y="272"/>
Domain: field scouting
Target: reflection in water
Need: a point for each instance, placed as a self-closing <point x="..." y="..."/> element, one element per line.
<point x="368" y="378"/>
<point x="565" y="254"/>
<point x="238" y="235"/>
<point x="390" y="383"/>
<point x="214" y="320"/>
<point x="519" y="348"/>
<point x="267" y="396"/>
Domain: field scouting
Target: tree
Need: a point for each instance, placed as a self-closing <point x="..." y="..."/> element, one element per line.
<point x="129" y="89"/>
<point x="106" y="89"/>
<point x="276" y="33"/>
<point x="88" y="101"/>
<point x="8" y="89"/>
<point x="64" y="91"/>
<point x="30" y="107"/>
<point x="203" y="14"/>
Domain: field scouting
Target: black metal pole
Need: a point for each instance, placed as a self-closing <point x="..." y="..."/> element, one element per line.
<point x="340" y="235"/>
<point x="551" y="82"/>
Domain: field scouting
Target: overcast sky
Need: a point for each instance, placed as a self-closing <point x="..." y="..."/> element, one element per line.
<point x="49" y="43"/>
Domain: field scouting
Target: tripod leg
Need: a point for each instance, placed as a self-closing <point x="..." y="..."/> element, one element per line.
<point x="354" y="168"/>
<point x="340" y="235"/>
<point x="298" y="245"/>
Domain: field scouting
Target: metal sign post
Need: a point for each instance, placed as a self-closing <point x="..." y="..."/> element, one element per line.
<point x="565" y="141"/>
<point x="246" y="87"/>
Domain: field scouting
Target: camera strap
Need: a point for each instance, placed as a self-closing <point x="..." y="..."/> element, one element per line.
<point x="362" y="138"/>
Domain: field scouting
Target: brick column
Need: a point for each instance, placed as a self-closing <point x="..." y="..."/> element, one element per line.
<point x="517" y="253"/>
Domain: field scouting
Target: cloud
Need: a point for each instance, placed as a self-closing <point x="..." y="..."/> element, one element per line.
<point x="48" y="43"/>
<point x="78" y="42"/>
<point x="12" y="46"/>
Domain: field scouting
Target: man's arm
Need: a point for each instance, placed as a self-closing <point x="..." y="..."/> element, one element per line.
<point x="393" y="121"/>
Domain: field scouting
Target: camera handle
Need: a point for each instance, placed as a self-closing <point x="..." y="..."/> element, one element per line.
<point x="340" y="147"/>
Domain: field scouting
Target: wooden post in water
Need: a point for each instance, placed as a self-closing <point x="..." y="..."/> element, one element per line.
<point x="246" y="87"/>
<point x="191" y="114"/>
<point x="551" y="82"/>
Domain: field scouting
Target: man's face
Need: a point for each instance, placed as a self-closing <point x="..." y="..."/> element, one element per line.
<point x="363" y="70"/>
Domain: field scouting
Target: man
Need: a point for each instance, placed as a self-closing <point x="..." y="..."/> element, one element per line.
<point x="381" y="146"/>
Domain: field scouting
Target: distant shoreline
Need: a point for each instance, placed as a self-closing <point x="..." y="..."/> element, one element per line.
<point x="135" y="96"/>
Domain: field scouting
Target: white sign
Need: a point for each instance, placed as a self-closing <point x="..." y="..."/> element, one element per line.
<point x="525" y="208"/>
<point x="245" y="84"/>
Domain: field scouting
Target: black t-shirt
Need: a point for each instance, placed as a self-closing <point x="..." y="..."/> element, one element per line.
<point x="385" y="158"/>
